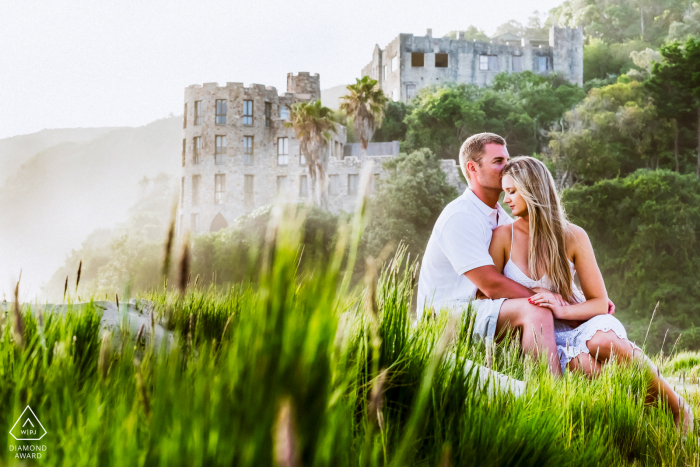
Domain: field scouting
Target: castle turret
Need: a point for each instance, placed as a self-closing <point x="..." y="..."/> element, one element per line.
<point x="305" y="83"/>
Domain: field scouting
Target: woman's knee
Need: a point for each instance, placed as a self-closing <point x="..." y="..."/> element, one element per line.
<point x="603" y="344"/>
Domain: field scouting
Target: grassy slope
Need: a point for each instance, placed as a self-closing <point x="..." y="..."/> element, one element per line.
<point x="299" y="371"/>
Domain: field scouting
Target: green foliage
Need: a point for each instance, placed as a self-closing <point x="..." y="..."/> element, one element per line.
<point x="618" y="21"/>
<point x="613" y="132"/>
<point x="675" y="82"/>
<point x="408" y="202"/>
<point x="688" y="27"/>
<point x="602" y="60"/>
<point x="518" y="106"/>
<point x="645" y="230"/>
<point x="393" y="125"/>
<point x="296" y="372"/>
<point x="470" y="34"/>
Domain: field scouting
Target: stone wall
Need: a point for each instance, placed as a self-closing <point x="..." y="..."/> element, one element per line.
<point x="564" y="54"/>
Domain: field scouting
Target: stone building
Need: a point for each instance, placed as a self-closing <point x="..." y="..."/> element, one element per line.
<point x="237" y="155"/>
<point x="410" y="63"/>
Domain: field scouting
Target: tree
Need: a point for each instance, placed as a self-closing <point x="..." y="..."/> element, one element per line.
<point x="602" y="60"/>
<point x="519" y="106"/>
<point x="613" y="132"/>
<point x="645" y="230"/>
<point x="470" y="34"/>
<point x="365" y="105"/>
<point x="408" y="202"/>
<point x="313" y="125"/>
<point x="676" y="84"/>
<point x="393" y="124"/>
<point x="688" y="27"/>
<point x="618" y="21"/>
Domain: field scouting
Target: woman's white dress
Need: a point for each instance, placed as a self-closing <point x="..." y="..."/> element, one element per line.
<point x="570" y="341"/>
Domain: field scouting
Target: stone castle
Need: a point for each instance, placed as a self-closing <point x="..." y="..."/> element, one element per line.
<point x="238" y="155"/>
<point x="410" y="63"/>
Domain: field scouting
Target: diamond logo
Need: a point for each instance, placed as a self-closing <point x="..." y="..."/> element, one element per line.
<point x="28" y="427"/>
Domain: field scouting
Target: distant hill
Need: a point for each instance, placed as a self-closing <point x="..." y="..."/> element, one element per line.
<point x="16" y="150"/>
<point x="62" y="193"/>
<point x="331" y="97"/>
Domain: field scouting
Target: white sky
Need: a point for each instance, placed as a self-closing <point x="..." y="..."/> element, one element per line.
<point x="90" y="63"/>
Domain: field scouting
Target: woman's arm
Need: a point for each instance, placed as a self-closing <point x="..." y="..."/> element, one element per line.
<point x="591" y="279"/>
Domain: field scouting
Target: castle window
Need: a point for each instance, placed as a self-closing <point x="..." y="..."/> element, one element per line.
<point x="197" y="148"/>
<point x="302" y="158"/>
<point x="334" y="185"/>
<point x="282" y="151"/>
<point x="417" y="59"/>
<point x="184" y="117"/>
<point x="182" y="192"/>
<point x="517" y="63"/>
<point x="194" y="222"/>
<point x="441" y="61"/>
<point x="184" y="150"/>
<point x="303" y="186"/>
<point x="488" y="62"/>
<point x="248" y="189"/>
<point x="220" y="188"/>
<point x="281" y="184"/>
<point x="247" y="112"/>
<point x="395" y="94"/>
<point x="284" y="112"/>
<point x="248" y="150"/>
<point x="353" y="183"/>
<point x="395" y="63"/>
<point x="220" y="149"/>
<point x="221" y="111"/>
<point x="384" y="75"/>
<point x="268" y="114"/>
<point x="410" y="92"/>
<point x="197" y="112"/>
<point x="195" y="190"/>
<point x="544" y="63"/>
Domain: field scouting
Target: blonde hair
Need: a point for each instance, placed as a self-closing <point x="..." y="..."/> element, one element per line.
<point x="547" y="221"/>
<point x="473" y="149"/>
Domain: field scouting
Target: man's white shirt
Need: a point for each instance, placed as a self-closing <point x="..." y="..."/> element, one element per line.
<point x="459" y="243"/>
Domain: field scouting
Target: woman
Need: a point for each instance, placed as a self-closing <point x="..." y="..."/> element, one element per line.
<point x="541" y="249"/>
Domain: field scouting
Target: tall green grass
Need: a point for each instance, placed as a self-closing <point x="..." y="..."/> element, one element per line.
<point x="302" y="369"/>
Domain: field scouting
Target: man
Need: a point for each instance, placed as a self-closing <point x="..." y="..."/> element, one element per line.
<point x="457" y="262"/>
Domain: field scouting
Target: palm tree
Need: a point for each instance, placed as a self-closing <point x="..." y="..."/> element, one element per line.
<point x="365" y="104"/>
<point x="313" y="126"/>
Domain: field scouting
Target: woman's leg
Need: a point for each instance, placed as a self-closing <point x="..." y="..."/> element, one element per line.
<point x="607" y="344"/>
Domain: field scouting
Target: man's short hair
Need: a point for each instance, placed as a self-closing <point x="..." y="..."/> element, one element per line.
<point x="473" y="149"/>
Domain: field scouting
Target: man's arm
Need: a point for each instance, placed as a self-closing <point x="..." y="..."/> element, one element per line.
<point x="495" y="285"/>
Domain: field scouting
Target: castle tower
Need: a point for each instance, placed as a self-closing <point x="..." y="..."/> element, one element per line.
<point x="567" y="47"/>
<point x="305" y="83"/>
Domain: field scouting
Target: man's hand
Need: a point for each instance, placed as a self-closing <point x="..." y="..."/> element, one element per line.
<point x="611" y="307"/>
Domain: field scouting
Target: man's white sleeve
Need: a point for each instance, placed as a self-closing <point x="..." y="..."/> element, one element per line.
<point x="465" y="242"/>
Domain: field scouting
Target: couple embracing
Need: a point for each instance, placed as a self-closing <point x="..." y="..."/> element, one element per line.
<point x="519" y="274"/>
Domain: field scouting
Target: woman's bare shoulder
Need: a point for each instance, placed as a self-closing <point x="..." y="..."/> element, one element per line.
<point x="500" y="237"/>
<point x="577" y="237"/>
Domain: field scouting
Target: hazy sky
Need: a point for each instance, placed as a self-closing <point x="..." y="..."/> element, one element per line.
<point x="87" y="63"/>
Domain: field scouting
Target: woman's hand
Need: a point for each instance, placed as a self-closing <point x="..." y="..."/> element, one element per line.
<point x="550" y="300"/>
